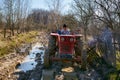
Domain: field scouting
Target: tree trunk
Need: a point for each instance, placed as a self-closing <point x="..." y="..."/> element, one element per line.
<point x="12" y="29"/>
<point x="85" y="31"/>
<point x="114" y="51"/>
<point x="4" y="32"/>
<point x="18" y="29"/>
<point x="85" y="34"/>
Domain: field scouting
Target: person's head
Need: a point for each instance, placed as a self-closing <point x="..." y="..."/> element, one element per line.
<point x="64" y="26"/>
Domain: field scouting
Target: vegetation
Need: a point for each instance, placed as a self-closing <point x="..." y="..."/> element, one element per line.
<point x="7" y="45"/>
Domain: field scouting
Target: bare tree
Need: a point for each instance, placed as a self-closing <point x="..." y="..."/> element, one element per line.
<point x="26" y="11"/>
<point x="22" y="11"/>
<point x="16" y="12"/>
<point x="1" y="16"/>
<point x="55" y="7"/>
<point x="70" y="20"/>
<point x="110" y="13"/>
<point x="9" y="7"/>
<point x="39" y="18"/>
<point x="84" y="11"/>
<point x="107" y="11"/>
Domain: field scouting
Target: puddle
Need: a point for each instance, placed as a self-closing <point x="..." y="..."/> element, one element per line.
<point x="29" y="62"/>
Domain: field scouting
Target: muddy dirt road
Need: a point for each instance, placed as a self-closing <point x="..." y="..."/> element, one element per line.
<point x="32" y="68"/>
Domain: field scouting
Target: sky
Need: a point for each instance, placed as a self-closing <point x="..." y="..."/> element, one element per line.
<point x="42" y="4"/>
<point x="39" y="4"/>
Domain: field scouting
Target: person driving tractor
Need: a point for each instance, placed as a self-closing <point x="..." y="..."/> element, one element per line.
<point x="64" y="31"/>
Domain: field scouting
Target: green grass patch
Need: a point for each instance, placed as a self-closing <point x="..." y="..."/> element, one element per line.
<point x="115" y="75"/>
<point x="118" y="60"/>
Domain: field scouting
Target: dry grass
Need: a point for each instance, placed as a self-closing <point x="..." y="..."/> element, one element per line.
<point x="7" y="45"/>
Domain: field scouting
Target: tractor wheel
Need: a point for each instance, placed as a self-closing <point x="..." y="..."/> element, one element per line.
<point x="52" y="45"/>
<point x="46" y="59"/>
<point x="79" y="52"/>
<point x="78" y="46"/>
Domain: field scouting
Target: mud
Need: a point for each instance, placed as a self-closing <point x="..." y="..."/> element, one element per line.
<point x="36" y="73"/>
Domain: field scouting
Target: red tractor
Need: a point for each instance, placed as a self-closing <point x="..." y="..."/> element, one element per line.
<point x="63" y="48"/>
